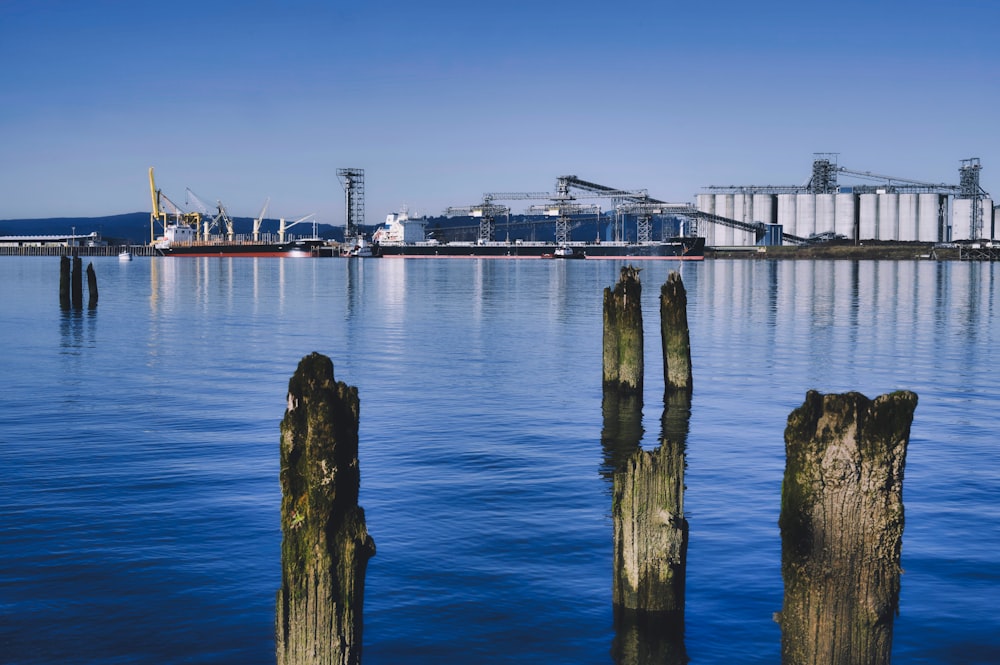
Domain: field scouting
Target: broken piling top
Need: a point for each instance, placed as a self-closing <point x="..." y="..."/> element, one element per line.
<point x="325" y="543"/>
<point x="842" y="526"/>
<point x="674" y="334"/>
<point x="623" y="345"/>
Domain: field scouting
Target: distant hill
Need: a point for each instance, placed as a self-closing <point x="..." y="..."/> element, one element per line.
<point x="133" y="228"/>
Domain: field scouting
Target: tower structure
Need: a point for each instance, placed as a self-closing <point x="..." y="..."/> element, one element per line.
<point x="353" y="181"/>
<point x="824" y="175"/>
<point x="969" y="188"/>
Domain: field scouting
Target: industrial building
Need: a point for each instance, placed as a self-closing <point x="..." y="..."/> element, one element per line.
<point x="884" y="208"/>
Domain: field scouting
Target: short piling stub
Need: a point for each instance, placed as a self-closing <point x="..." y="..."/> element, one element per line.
<point x="325" y="543"/>
<point x="623" y="342"/>
<point x="842" y="527"/>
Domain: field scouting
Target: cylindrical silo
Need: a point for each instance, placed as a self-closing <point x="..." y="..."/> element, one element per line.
<point x="888" y="217"/>
<point x="805" y="215"/>
<point x="742" y="212"/>
<point x="961" y="219"/>
<point x="763" y="209"/>
<point x="867" y="216"/>
<point x="846" y="213"/>
<point x="786" y="213"/>
<point x="724" y="207"/>
<point x="989" y="220"/>
<point x="706" y="229"/>
<point x="907" y="217"/>
<point x="825" y="217"/>
<point x="929" y="217"/>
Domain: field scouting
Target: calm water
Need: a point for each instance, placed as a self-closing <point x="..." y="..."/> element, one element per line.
<point x="139" y="509"/>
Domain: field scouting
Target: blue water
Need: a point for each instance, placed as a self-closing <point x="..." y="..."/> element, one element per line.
<point x="139" y="508"/>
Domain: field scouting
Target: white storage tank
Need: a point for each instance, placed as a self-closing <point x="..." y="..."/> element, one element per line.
<point x="846" y="210"/>
<point x="805" y="215"/>
<point x="724" y="207"/>
<point x="706" y="203"/>
<point x="763" y="208"/>
<point x="786" y="213"/>
<point x="825" y="213"/>
<point x="961" y="219"/>
<point x="888" y="217"/>
<point x="742" y="212"/>
<point x="867" y="216"/>
<point x="908" y="212"/>
<point x="929" y="217"/>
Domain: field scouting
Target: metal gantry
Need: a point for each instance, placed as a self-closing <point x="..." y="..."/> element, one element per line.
<point x="969" y="188"/>
<point x="353" y="180"/>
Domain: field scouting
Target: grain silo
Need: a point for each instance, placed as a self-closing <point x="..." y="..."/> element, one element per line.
<point x="907" y="224"/>
<point x="805" y="215"/>
<point x="888" y="216"/>
<point x="868" y="217"/>
<point x="930" y="217"/>
<point x="786" y="213"/>
<point x="845" y="215"/>
<point x="825" y="213"/>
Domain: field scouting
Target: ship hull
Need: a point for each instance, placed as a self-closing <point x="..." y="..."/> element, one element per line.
<point x="689" y="249"/>
<point x="244" y="250"/>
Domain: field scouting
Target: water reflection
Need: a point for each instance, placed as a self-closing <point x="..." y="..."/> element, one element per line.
<point x="622" y="431"/>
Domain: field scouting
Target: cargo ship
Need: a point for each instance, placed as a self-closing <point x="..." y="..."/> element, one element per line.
<point x="179" y="239"/>
<point x="188" y="234"/>
<point x="402" y="237"/>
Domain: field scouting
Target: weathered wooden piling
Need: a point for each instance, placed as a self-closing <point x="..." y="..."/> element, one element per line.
<point x="842" y="527"/>
<point x="325" y="543"/>
<point x="674" y="335"/>
<point x="650" y="543"/>
<point x="77" y="283"/>
<point x="623" y="349"/>
<point x="650" y="556"/>
<point x="65" y="279"/>
<point x="91" y="286"/>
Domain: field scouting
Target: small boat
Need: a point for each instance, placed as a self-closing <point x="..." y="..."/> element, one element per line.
<point x="359" y="249"/>
<point x="565" y="252"/>
<point x="125" y="255"/>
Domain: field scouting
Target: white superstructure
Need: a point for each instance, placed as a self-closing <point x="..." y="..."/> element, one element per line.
<point x="400" y="229"/>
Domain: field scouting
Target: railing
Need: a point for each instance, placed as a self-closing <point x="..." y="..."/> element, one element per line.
<point x="78" y="250"/>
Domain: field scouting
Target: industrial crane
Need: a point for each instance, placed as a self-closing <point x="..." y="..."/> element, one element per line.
<point x="259" y="219"/>
<point x="282" y="226"/>
<point x="158" y="214"/>
<point x="487" y="214"/>
<point x="219" y="221"/>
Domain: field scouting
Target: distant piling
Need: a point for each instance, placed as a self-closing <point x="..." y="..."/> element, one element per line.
<point x="91" y="286"/>
<point x="674" y="334"/>
<point x="623" y="345"/>
<point x="77" y="283"/>
<point x="842" y="527"/>
<point x="325" y="543"/>
<point x="65" y="279"/>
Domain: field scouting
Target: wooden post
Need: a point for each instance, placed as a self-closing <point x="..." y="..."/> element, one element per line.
<point x="77" y="283"/>
<point x="650" y="555"/>
<point x="623" y="351"/>
<point x="65" y="302"/>
<point x="91" y="286"/>
<point x="325" y="544"/>
<point x="674" y="335"/>
<point x="842" y="527"/>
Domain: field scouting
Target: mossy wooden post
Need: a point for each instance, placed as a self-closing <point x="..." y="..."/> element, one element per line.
<point x="674" y="335"/>
<point x="77" y="285"/>
<point x="325" y="544"/>
<point x="65" y="301"/>
<point x="91" y="286"/>
<point x="842" y="527"/>
<point x="650" y="553"/>
<point x="623" y="351"/>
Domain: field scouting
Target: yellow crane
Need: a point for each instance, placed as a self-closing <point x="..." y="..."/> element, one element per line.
<point x="158" y="214"/>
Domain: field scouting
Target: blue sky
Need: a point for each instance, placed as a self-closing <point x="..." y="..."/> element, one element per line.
<point x="441" y="101"/>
